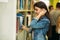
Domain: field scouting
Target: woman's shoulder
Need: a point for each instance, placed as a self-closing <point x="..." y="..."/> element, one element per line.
<point x="45" y="19"/>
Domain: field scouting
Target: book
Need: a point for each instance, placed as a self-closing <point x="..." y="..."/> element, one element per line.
<point x="24" y="4"/>
<point x="29" y="4"/>
<point x="21" y="4"/>
<point x="16" y="25"/>
<point x="20" y="20"/>
<point x="28" y="19"/>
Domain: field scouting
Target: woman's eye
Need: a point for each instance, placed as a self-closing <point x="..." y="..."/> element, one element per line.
<point x="36" y="9"/>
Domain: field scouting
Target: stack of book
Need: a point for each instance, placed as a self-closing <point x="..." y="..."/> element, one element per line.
<point x="19" y="20"/>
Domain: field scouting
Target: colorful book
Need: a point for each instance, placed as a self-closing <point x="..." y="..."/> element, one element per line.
<point x="21" y="4"/>
<point x="20" y="18"/>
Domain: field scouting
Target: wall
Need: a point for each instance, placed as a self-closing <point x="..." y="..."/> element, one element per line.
<point x="8" y="20"/>
<point x="54" y="3"/>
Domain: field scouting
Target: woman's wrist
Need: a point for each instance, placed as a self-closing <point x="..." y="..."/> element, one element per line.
<point x="25" y="28"/>
<point x="38" y="17"/>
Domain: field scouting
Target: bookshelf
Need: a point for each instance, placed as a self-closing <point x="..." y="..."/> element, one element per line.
<point x="24" y="7"/>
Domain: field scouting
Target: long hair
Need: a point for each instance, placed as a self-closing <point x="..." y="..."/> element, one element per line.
<point x="43" y="5"/>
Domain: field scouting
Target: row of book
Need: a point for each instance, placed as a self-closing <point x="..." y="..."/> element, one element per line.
<point x="20" y="21"/>
<point x="23" y="4"/>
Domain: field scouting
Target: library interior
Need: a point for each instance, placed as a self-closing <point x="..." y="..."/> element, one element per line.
<point x="29" y="19"/>
<point x="25" y="13"/>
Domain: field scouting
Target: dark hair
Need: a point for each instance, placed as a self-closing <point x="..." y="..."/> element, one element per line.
<point x="58" y="5"/>
<point x="50" y="7"/>
<point x="42" y="5"/>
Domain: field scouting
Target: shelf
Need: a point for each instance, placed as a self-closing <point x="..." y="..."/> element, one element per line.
<point x="24" y="10"/>
<point x="24" y="7"/>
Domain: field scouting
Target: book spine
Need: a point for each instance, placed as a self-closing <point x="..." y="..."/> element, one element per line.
<point x="28" y="19"/>
<point x="21" y="4"/>
<point x="21" y="22"/>
<point x="17" y="25"/>
<point x="29" y="4"/>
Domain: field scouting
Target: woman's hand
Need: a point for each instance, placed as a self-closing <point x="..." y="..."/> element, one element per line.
<point x="25" y="28"/>
<point x="41" y="13"/>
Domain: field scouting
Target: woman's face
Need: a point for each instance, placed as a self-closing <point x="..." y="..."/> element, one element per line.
<point x="37" y="10"/>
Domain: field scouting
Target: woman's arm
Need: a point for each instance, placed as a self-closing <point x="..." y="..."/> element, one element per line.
<point x="27" y="29"/>
<point x="41" y="24"/>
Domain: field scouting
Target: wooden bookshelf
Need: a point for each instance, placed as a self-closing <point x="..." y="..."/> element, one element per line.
<point x="24" y="7"/>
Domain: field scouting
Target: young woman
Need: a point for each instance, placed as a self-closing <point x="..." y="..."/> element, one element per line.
<point x="40" y="23"/>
